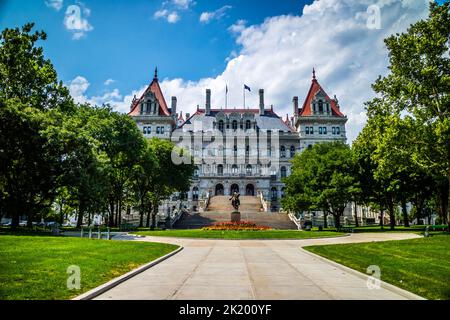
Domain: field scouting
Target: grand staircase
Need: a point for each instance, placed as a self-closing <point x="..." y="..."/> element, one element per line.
<point x="220" y="208"/>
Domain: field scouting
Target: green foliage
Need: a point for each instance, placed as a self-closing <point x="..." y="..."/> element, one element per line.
<point x="322" y="178"/>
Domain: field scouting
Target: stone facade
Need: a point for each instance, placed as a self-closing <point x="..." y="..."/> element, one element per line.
<point x="244" y="150"/>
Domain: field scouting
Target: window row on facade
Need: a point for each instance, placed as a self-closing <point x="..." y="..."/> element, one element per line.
<point x="148" y="130"/>
<point x="323" y="130"/>
<point x="235" y="170"/>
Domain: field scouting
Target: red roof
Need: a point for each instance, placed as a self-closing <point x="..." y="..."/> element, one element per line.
<point x="313" y="90"/>
<point x="156" y="89"/>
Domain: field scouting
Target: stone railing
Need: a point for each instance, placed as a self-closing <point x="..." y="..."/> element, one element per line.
<point x="177" y="213"/>
<point x="294" y="219"/>
<point x="265" y="205"/>
<point x="204" y="203"/>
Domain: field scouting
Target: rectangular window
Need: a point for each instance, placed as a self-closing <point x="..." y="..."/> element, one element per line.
<point x="149" y="130"/>
<point x="324" y="130"/>
<point x="307" y="130"/>
<point x="338" y="130"/>
<point x="145" y="130"/>
<point x="311" y="130"/>
<point x="158" y="130"/>
<point x="162" y="130"/>
<point x="320" y="130"/>
<point x="333" y="130"/>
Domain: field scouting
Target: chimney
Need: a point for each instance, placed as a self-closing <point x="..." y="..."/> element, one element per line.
<point x="295" y="106"/>
<point x="208" y="102"/>
<point x="261" y="102"/>
<point x="174" y="106"/>
<point x="188" y="115"/>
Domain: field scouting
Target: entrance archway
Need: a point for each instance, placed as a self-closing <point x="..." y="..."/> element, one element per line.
<point x="250" y="190"/>
<point x="234" y="188"/>
<point x="219" y="190"/>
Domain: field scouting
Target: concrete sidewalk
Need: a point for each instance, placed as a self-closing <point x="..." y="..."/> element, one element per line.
<point x="253" y="269"/>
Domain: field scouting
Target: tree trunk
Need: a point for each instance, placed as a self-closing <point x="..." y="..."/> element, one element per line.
<point x="405" y="214"/>
<point x="141" y="213"/>
<point x="325" y="220"/>
<point x="391" y="214"/>
<point x="80" y="214"/>
<point x="154" y="212"/>
<point x="15" y="216"/>
<point x="337" y="221"/>
<point x="120" y="211"/>
<point x="356" y="215"/>
<point x="149" y="210"/>
<point x="381" y="218"/>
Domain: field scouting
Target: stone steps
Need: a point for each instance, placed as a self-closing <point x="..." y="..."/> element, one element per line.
<point x="220" y="210"/>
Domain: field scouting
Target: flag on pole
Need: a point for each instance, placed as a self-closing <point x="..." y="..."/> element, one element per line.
<point x="246" y="87"/>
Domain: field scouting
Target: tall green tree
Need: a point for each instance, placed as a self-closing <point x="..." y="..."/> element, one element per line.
<point x="419" y="84"/>
<point x="327" y="174"/>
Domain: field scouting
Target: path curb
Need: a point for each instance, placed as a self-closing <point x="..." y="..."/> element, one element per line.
<point x="116" y="281"/>
<point x="385" y="285"/>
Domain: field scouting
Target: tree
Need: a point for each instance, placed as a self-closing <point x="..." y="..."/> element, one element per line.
<point x="327" y="174"/>
<point x="170" y="177"/>
<point x="30" y="96"/>
<point x="419" y="84"/>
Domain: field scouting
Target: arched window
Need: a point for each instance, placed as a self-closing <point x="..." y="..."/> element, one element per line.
<point x="248" y="169"/>
<point x="220" y="169"/>
<point x="234" y="125"/>
<point x="274" y="193"/>
<point x="292" y="151"/>
<point x="221" y="125"/>
<point x="283" y="152"/>
<point x="320" y="106"/>
<point x="283" y="172"/>
<point x="248" y="125"/>
<point x="195" y="193"/>
<point x="234" y="169"/>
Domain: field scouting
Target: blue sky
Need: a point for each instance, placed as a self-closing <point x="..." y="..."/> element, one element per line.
<point x="127" y="41"/>
<point x="108" y="52"/>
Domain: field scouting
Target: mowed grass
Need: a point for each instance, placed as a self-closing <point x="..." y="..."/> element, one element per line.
<point x="232" y="234"/>
<point x="421" y="266"/>
<point x="35" y="267"/>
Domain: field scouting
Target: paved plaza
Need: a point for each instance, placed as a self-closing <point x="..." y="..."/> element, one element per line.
<point x="253" y="269"/>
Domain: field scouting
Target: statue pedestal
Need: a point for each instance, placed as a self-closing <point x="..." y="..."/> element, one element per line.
<point x="236" y="216"/>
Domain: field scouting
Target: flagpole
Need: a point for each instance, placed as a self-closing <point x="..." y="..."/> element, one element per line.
<point x="244" y="96"/>
<point x="226" y="97"/>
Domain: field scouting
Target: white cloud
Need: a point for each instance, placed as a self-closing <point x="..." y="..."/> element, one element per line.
<point x="170" y="10"/>
<point x="279" y="54"/>
<point x="55" y="4"/>
<point x="109" y="81"/>
<point x="183" y="4"/>
<point x="206" y="17"/>
<point x="173" y="17"/>
<point x="238" y="27"/>
<point x="75" y="20"/>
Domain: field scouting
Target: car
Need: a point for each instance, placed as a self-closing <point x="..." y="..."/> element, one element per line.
<point x="23" y="223"/>
<point x="6" y="224"/>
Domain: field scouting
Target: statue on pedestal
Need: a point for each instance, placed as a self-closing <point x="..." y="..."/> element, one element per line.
<point x="235" y="202"/>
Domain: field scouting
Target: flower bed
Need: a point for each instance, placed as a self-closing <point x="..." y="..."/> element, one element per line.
<point x="239" y="226"/>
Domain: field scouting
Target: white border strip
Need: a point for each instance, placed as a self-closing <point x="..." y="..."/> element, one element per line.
<point x="116" y="281"/>
<point x="385" y="285"/>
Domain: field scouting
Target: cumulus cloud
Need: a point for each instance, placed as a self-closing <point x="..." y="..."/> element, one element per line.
<point x="170" y="10"/>
<point x="278" y="55"/>
<point x="109" y="81"/>
<point x="76" y="20"/>
<point x="238" y="27"/>
<point x="55" y="4"/>
<point x="206" y="17"/>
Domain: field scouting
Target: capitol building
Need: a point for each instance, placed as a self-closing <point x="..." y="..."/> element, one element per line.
<point x="247" y="150"/>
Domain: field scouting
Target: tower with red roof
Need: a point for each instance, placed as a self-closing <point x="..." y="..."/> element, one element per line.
<point x="320" y="118"/>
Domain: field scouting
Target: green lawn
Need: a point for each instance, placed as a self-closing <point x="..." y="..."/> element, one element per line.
<point x="34" y="267"/>
<point x="421" y="266"/>
<point x="217" y="234"/>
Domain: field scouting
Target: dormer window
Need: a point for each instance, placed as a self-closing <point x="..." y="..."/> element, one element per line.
<point x="320" y="107"/>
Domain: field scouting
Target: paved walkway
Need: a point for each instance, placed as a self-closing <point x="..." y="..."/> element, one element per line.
<point x="251" y="269"/>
